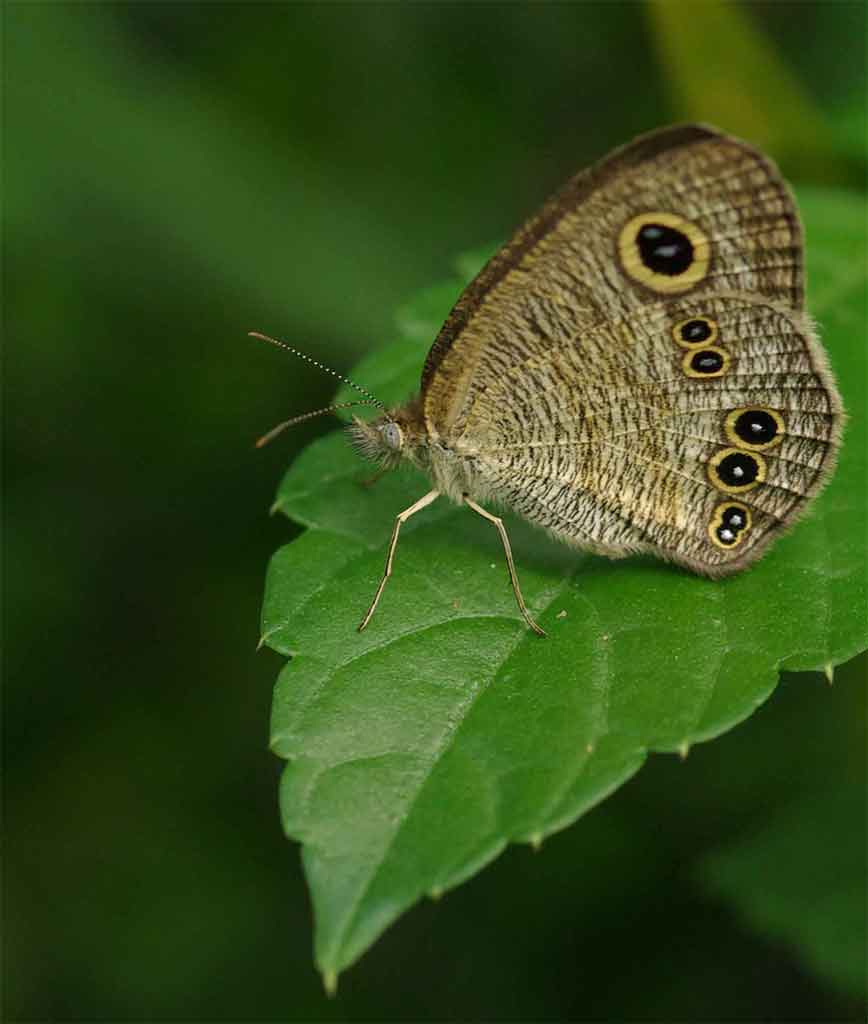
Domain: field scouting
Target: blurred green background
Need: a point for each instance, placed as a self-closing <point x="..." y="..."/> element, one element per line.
<point x="175" y="175"/>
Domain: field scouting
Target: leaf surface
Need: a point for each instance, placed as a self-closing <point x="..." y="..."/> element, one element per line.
<point x="418" y="749"/>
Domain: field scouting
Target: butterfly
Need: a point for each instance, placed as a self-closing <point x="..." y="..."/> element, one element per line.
<point x="634" y="370"/>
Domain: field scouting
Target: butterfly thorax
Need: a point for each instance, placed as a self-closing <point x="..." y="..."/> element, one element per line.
<point x="401" y="435"/>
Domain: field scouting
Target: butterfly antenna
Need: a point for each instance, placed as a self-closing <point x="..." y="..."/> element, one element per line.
<point x="371" y="400"/>
<point x="279" y="429"/>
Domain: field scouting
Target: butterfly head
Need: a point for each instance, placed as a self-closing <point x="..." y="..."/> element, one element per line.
<point x="397" y="434"/>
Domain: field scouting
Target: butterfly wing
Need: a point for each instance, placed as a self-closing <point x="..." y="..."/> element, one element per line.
<point x="724" y="219"/>
<point x="633" y="370"/>
<point x="633" y="439"/>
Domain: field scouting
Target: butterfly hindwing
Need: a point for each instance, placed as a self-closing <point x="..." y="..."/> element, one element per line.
<point x="695" y="428"/>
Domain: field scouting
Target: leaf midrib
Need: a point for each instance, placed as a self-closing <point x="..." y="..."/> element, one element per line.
<point x="522" y="636"/>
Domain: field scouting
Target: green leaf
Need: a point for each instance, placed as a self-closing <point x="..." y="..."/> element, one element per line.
<point x="801" y="879"/>
<point x="418" y="749"/>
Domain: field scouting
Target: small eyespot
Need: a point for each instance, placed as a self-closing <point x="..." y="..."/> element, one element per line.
<point x="735" y="471"/>
<point x="754" y="428"/>
<point x="738" y="469"/>
<point x="729" y="524"/>
<point x="708" y="361"/>
<point x="698" y="330"/>
<point x="705" y="363"/>
<point x="664" y="252"/>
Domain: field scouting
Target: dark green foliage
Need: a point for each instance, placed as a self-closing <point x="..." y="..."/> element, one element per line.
<point x="175" y="175"/>
<point x="800" y="878"/>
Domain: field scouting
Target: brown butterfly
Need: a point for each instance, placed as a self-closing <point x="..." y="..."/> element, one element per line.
<point x="633" y="371"/>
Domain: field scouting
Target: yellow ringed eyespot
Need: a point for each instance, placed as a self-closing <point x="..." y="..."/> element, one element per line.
<point x="696" y="330"/>
<point x="729" y="524"/>
<point x="664" y="252"/>
<point x="705" y="363"/>
<point x="736" y="471"/>
<point x="755" y="428"/>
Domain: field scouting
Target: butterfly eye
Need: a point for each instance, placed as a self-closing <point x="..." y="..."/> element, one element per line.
<point x="663" y="251"/>
<point x="707" y="362"/>
<point x="755" y="428"/>
<point x="729" y="524"/>
<point x="392" y="435"/>
<point x="697" y="330"/>
<point x="734" y="470"/>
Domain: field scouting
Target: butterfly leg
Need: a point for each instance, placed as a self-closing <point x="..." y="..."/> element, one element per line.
<point x="516" y="589"/>
<point x="402" y="517"/>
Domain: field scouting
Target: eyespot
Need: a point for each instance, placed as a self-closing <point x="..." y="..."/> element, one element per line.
<point x="393" y="435"/>
<point x="755" y="428"/>
<point x="664" y="252"/>
<point x="698" y="330"/>
<point x="735" y="517"/>
<point x="707" y="362"/>
<point x="729" y="524"/>
<point x="735" y="471"/>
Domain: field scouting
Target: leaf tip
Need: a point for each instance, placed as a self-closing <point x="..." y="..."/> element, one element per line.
<point x="330" y="983"/>
<point x="435" y="892"/>
<point x="829" y="671"/>
<point x="683" y="750"/>
<point x="536" y="841"/>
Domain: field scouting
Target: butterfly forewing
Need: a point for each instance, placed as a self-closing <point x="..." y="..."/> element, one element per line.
<point x="571" y="268"/>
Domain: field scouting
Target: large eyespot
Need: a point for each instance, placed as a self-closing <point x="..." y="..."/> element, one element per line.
<point x="393" y="435"/>
<point x="698" y="330"/>
<point x="736" y="471"/>
<point x="754" y="428"/>
<point x="729" y="524"/>
<point x="663" y="251"/>
<point x="705" y="362"/>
